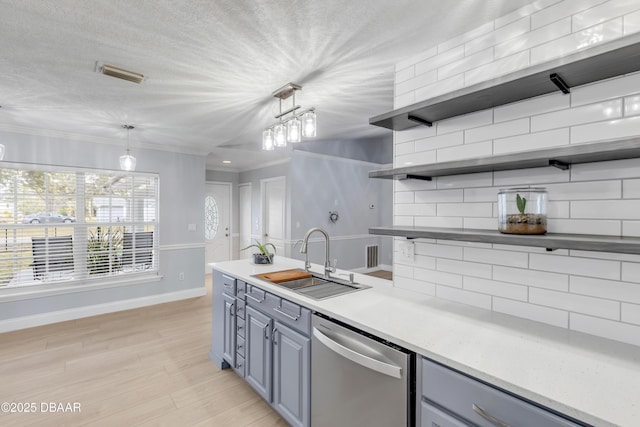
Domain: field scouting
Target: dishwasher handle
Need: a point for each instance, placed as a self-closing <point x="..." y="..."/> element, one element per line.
<point x="359" y="358"/>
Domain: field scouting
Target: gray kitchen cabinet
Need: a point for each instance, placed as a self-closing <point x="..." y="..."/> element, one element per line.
<point x="258" y="351"/>
<point x="229" y="319"/>
<point x="291" y="376"/>
<point x="450" y="398"/>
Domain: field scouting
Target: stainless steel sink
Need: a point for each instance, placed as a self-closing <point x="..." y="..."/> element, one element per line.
<point x="320" y="287"/>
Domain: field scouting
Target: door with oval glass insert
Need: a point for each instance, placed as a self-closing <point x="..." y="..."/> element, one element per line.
<point x="217" y="224"/>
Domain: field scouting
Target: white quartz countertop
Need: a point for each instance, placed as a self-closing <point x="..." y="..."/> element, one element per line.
<point x="591" y="379"/>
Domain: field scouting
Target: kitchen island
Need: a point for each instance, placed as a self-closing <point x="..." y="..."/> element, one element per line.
<point x="594" y="380"/>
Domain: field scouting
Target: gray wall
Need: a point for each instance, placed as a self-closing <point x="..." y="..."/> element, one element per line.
<point x="182" y="179"/>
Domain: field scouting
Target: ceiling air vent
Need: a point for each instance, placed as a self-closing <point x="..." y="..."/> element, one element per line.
<point x="119" y="73"/>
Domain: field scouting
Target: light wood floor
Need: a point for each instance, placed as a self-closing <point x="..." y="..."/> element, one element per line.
<point x="146" y="367"/>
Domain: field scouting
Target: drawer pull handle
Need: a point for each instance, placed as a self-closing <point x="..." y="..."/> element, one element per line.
<point x="259" y="301"/>
<point x="478" y="410"/>
<point x="231" y="307"/>
<point x="294" y="318"/>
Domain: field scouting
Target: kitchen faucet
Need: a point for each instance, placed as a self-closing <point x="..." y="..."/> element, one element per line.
<point x="328" y="269"/>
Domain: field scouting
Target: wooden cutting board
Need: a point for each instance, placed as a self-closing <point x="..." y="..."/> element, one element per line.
<point x="284" y="275"/>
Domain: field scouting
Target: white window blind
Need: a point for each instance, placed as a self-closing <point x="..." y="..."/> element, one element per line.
<point x="65" y="224"/>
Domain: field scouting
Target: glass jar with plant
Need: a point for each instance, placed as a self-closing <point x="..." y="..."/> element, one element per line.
<point x="263" y="256"/>
<point x="522" y="211"/>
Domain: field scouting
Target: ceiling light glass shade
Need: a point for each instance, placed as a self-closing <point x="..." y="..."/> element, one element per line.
<point x="309" y="124"/>
<point x="294" y="128"/>
<point x="127" y="162"/>
<point x="267" y="140"/>
<point x="280" y="135"/>
<point x="1" y="151"/>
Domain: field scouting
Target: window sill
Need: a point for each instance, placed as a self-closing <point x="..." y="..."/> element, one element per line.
<point x="51" y="289"/>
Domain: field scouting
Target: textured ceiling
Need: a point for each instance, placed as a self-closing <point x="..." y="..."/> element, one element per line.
<point x="211" y="66"/>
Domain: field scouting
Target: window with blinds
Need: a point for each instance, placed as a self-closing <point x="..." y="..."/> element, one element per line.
<point x="64" y="224"/>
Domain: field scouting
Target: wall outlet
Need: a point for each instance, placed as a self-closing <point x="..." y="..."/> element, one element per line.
<point x="407" y="251"/>
<point x="181" y="276"/>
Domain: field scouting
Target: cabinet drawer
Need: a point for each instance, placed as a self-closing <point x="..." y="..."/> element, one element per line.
<point x="229" y="284"/>
<point x="240" y="308"/>
<point x="239" y="368"/>
<point x="240" y="346"/>
<point x="293" y="315"/>
<point x="240" y="285"/>
<point x="433" y="417"/>
<point x="240" y="327"/>
<point x="475" y="402"/>
<point x="255" y="296"/>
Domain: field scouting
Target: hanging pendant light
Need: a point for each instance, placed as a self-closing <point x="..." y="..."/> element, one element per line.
<point x="280" y="135"/>
<point x="267" y="140"/>
<point x="127" y="161"/>
<point x="309" y="124"/>
<point x="293" y="130"/>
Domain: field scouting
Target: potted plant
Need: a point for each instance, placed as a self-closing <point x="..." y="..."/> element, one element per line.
<point x="518" y="220"/>
<point x="264" y="256"/>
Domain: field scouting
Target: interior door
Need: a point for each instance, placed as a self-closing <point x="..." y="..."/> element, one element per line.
<point x="273" y="211"/>
<point x="244" y="214"/>
<point x="217" y="233"/>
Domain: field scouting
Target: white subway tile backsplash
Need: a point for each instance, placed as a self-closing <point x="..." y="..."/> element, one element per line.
<point x="497" y="257"/>
<point x="480" y="223"/>
<point x="631" y="228"/>
<point x="605" y="289"/>
<point x="404" y="100"/>
<point x="502" y="66"/>
<point x="414" y="59"/>
<point x="558" y="209"/>
<point x="631" y="272"/>
<point x="605" y="255"/>
<point x="466" y="63"/>
<point x="464" y="267"/>
<point x="488" y="194"/>
<point x="440" y="277"/>
<point x="404" y="197"/>
<point x="416" y="82"/>
<point x="400" y="270"/>
<point x="404" y="74"/>
<point x="584" y="226"/>
<point x="577" y="41"/>
<point x="616" y="87"/>
<point x="575" y="303"/>
<point x="578" y="115"/>
<point x="579" y="266"/>
<point x="434" y="62"/>
<point x="440" y="141"/>
<point x="465" y="209"/>
<point x="547" y="315"/>
<point x="413" y="134"/>
<point x="604" y="328"/>
<point x="523" y="11"/>
<point x="631" y="188"/>
<point x="484" y="179"/>
<point x="423" y="209"/>
<point x="441" y="222"/>
<point x="508" y="32"/>
<point x="463" y="38"/>
<point x="631" y="313"/>
<point x="532" y="106"/>
<point x="492" y="287"/>
<point x="585" y="190"/>
<point x="631" y="23"/>
<point x="499" y="130"/>
<point x="531" y="176"/>
<point x="603" y="12"/>
<point x="421" y="262"/>
<point x="616" y="169"/>
<point x="440" y="251"/>
<point x="420" y="286"/>
<point x="465" y="244"/>
<point x="606" y="209"/>
<point x="438" y="196"/>
<point x="413" y="185"/>
<point x="632" y="105"/>
<point x="440" y="87"/>
<point x="422" y="158"/>
<point x="531" y="141"/>
<point x="403" y="220"/>
<point x="538" y="279"/>
<point x="561" y="10"/>
<point x="466" y="151"/>
<point x="468" y="121"/>
<point x="464" y="297"/>
<point x="534" y="38"/>
<point x="404" y="148"/>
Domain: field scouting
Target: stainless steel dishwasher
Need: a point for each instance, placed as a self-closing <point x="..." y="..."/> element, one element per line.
<point x="359" y="380"/>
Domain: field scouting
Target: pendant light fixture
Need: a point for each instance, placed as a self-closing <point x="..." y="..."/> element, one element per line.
<point x="290" y="129"/>
<point x="127" y="161"/>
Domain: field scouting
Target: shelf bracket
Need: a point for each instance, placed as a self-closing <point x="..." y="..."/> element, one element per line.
<point x="419" y="120"/>
<point x="558" y="164"/>
<point x="562" y="85"/>
<point x="550" y="249"/>
<point x="402" y="177"/>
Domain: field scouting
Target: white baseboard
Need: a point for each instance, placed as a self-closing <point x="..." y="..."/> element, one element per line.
<point x="94" y="310"/>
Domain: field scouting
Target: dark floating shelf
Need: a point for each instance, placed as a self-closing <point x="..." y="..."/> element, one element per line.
<point x="611" y="59"/>
<point x="550" y="241"/>
<point x="560" y="157"/>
